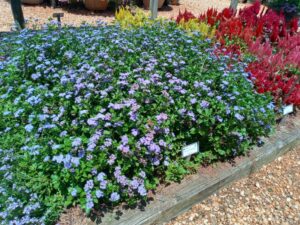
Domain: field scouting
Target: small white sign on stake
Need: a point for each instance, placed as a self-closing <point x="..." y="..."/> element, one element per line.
<point x="288" y="109"/>
<point x="190" y="149"/>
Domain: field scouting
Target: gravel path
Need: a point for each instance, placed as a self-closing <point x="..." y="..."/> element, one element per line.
<point x="43" y="12"/>
<point x="270" y="196"/>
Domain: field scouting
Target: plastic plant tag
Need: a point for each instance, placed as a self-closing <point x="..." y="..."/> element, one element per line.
<point x="190" y="149"/>
<point x="288" y="109"/>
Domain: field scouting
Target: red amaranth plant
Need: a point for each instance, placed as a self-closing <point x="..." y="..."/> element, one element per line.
<point x="291" y="50"/>
<point x="294" y="25"/>
<point x="284" y="87"/>
<point x="267" y="35"/>
<point x="252" y="22"/>
<point x="277" y="72"/>
<point x="253" y="25"/>
<point x="185" y="16"/>
<point x="249" y="15"/>
<point x="212" y="17"/>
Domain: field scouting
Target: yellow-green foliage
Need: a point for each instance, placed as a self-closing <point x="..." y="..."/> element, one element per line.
<point x="195" y="25"/>
<point x="127" y="19"/>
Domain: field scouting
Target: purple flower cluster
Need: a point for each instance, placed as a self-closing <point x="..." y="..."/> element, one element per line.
<point x="68" y="160"/>
<point x="161" y="117"/>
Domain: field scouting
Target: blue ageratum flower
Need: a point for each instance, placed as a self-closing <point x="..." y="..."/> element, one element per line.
<point x="142" y="191"/>
<point x="101" y="176"/>
<point x="99" y="194"/>
<point x="114" y="197"/>
<point x="239" y="116"/>
<point x="74" y="192"/>
<point x="76" y="142"/>
<point x="204" y="104"/>
<point x="29" y="128"/>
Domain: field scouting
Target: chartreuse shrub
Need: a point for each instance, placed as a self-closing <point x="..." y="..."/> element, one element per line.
<point x="193" y="25"/>
<point x="98" y="115"/>
<point x="126" y="19"/>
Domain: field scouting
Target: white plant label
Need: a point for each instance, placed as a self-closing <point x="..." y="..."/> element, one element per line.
<point x="288" y="109"/>
<point x="190" y="149"/>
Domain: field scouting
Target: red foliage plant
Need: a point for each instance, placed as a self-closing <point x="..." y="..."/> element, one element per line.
<point x="294" y="25"/>
<point x="274" y="42"/>
<point x="250" y="22"/>
<point x="212" y="17"/>
<point x="185" y="16"/>
<point x="250" y="15"/>
<point x="276" y="72"/>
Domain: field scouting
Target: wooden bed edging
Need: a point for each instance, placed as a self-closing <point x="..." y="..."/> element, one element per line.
<point x="178" y="198"/>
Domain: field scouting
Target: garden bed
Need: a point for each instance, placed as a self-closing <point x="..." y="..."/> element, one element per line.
<point x="174" y="199"/>
<point x="99" y="116"/>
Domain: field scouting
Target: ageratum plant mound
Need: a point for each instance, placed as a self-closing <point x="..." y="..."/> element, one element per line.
<point x="98" y="115"/>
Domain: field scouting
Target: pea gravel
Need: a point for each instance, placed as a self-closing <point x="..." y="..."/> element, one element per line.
<point x="77" y="16"/>
<point x="269" y="196"/>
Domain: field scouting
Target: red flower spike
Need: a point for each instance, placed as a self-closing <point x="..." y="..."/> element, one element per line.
<point x="294" y="25"/>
